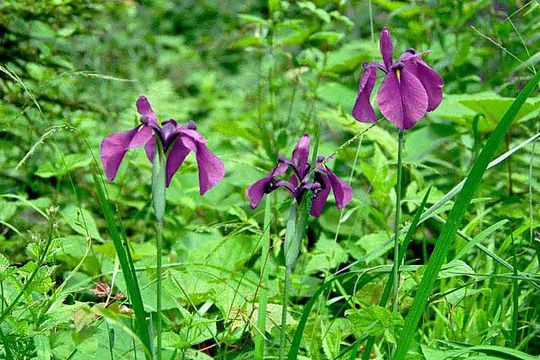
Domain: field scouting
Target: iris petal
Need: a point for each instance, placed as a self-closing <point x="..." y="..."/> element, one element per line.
<point x="256" y="191"/>
<point x="402" y="100"/>
<point x="300" y="155"/>
<point x="141" y="137"/>
<point x="362" y="110"/>
<point x="177" y="154"/>
<point x="113" y="149"/>
<point x="431" y="81"/>
<point x="144" y="108"/>
<point x="149" y="149"/>
<point x="211" y="168"/>
<point x="386" y="48"/>
<point x="342" y="190"/>
<point x="320" y="198"/>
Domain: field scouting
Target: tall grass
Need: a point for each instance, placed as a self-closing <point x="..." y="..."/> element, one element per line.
<point x="126" y="264"/>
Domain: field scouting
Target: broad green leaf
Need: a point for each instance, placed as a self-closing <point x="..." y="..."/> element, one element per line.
<point x="493" y="109"/>
<point x="81" y="221"/>
<point x="327" y="255"/>
<point x="373" y="320"/>
<point x="58" y="167"/>
<point x="455" y="268"/>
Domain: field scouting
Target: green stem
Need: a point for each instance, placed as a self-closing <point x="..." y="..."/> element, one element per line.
<point x="396" y="224"/>
<point x="263" y="292"/>
<point x="159" y="243"/>
<point x="289" y="252"/>
<point x="283" y="333"/>
<point x="158" y="197"/>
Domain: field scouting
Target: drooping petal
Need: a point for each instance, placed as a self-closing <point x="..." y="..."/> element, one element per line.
<point x="211" y="168"/>
<point x="402" y="99"/>
<point x="177" y="154"/>
<point x="431" y="81"/>
<point x="256" y="191"/>
<point x="342" y="190"/>
<point x="149" y="149"/>
<point x="113" y="149"/>
<point x="386" y="48"/>
<point x="144" y="108"/>
<point x="300" y="155"/>
<point x="362" y="110"/>
<point x="321" y="195"/>
<point x="141" y="137"/>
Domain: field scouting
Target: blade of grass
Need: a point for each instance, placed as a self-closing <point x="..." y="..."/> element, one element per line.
<point x="495" y="350"/>
<point x="480" y="237"/>
<point x="432" y="210"/>
<point x="456" y="189"/>
<point x="366" y="278"/>
<point x="455" y="217"/>
<point x="515" y="298"/>
<point x="127" y="269"/>
<point x="479" y="246"/>
<point x="388" y="287"/>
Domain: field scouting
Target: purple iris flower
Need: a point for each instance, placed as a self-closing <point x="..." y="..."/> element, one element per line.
<point x="409" y="90"/>
<point x="299" y="182"/>
<point x="178" y="141"/>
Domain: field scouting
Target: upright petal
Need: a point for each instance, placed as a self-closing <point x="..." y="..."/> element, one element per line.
<point x="256" y="191"/>
<point x="300" y="155"/>
<point x="431" y="81"/>
<point x="169" y="131"/>
<point x="321" y="195"/>
<point x="113" y="149"/>
<point x="386" y="48"/>
<point x="362" y="110"/>
<point x="211" y="168"/>
<point x="144" y="108"/>
<point x="402" y="99"/>
<point x="342" y="190"/>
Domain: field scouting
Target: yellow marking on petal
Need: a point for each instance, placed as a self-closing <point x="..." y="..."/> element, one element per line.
<point x="398" y="73"/>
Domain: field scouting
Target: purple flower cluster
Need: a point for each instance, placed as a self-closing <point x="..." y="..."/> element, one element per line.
<point x="177" y="140"/>
<point x="410" y="87"/>
<point x="300" y="181"/>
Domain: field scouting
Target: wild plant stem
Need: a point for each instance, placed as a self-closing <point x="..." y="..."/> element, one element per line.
<point x="159" y="201"/>
<point x="283" y="334"/>
<point x="263" y="292"/>
<point x="159" y="244"/>
<point x="289" y="252"/>
<point x="397" y="221"/>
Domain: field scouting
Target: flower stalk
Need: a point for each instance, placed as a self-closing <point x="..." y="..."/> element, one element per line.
<point x="397" y="221"/>
<point x="297" y="220"/>
<point x="263" y="291"/>
<point x="158" y="200"/>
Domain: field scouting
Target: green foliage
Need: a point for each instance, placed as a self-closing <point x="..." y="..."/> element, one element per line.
<point x="254" y="76"/>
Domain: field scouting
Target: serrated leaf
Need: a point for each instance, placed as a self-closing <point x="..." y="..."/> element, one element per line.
<point x="373" y="320"/>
